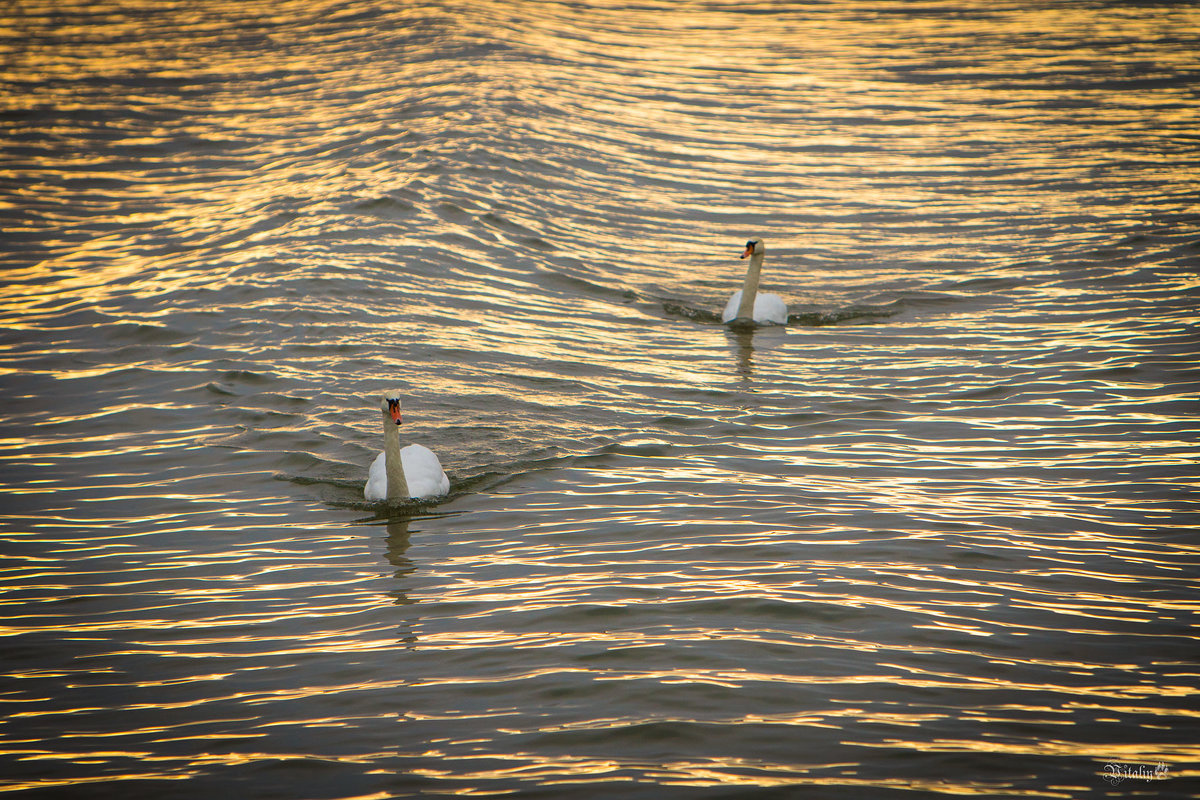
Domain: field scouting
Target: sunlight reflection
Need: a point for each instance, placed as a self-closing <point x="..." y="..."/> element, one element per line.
<point x="957" y="533"/>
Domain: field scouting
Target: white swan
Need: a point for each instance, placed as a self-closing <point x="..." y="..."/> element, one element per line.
<point x="400" y="474"/>
<point x="768" y="309"/>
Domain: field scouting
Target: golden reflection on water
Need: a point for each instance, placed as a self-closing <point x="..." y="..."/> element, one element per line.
<point x="711" y="772"/>
<point x="301" y="185"/>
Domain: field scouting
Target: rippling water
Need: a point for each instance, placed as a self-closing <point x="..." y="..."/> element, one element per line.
<point x="936" y="536"/>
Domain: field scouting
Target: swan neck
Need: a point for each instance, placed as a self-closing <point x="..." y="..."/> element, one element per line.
<point x="750" y="287"/>
<point x="397" y="486"/>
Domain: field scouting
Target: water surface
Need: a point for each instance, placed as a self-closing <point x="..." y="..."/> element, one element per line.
<point x="934" y="537"/>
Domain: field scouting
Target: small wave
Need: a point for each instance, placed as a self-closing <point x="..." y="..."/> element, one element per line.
<point x="857" y="314"/>
<point x="386" y="207"/>
<point x="853" y="315"/>
<point x="679" y="309"/>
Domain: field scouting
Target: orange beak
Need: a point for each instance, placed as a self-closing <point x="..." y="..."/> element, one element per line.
<point x="749" y="250"/>
<point x="395" y="409"/>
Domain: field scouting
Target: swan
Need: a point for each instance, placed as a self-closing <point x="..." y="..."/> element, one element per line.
<point x="768" y="309"/>
<point x="402" y="474"/>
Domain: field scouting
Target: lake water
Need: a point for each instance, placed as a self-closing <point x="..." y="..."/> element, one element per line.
<point x="934" y="537"/>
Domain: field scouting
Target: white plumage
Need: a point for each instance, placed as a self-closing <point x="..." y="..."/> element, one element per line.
<point x="748" y="304"/>
<point x="422" y="473"/>
<point x="401" y="474"/>
<point x="769" y="309"/>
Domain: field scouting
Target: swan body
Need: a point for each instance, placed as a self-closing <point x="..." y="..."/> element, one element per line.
<point x="422" y="473"/>
<point x="769" y="309"/>
<point x="747" y="303"/>
<point x="402" y="473"/>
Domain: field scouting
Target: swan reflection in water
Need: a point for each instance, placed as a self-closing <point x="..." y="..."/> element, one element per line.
<point x="743" y="341"/>
<point x="397" y="547"/>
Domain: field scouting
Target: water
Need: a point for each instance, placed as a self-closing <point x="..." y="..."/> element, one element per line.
<point x="935" y="537"/>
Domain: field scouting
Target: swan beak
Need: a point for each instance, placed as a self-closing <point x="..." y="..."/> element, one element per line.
<point x="394" y="408"/>
<point x="749" y="251"/>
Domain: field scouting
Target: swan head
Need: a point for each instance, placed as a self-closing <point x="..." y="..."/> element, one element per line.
<point x="754" y="247"/>
<point x="389" y="404"/>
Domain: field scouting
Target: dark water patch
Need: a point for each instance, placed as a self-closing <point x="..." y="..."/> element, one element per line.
<point x="680" y="309"/>
<point x="854" y="316"/>
<point x="386" y="208"/>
